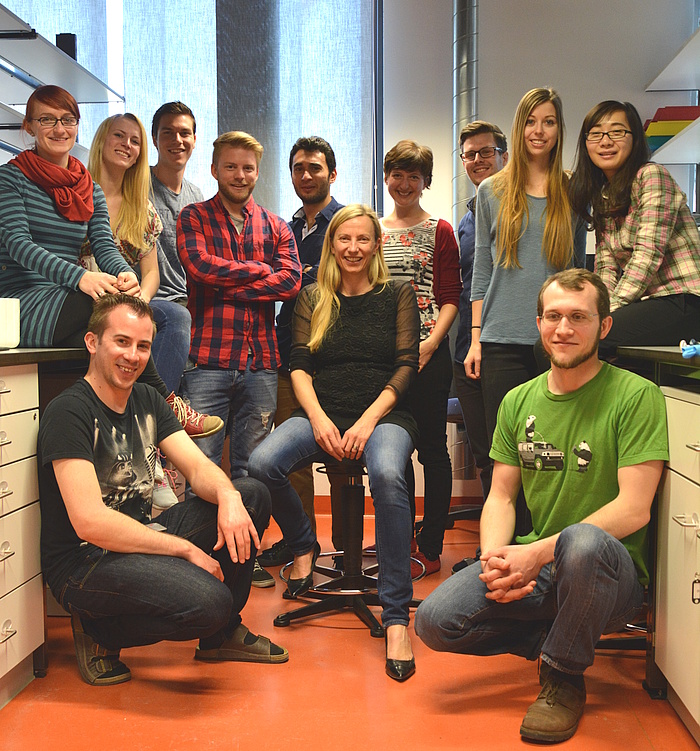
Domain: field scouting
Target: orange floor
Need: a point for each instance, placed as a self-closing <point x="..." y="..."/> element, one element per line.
<point x="332" y="694"/>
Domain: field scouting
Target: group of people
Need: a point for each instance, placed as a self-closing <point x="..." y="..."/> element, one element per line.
<point x="355" y="367"/>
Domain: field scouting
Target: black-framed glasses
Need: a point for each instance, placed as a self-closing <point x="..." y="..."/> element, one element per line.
<point x="486" y="153"/>
<point x="575" y="319"/>
<point x="67" y="121"/>
<point x="614" y="135"/>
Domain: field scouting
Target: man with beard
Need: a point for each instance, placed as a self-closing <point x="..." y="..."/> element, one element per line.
<point x="312" y="164"/>
<point x="580" y="571"/>
<point x="239" y="259"/>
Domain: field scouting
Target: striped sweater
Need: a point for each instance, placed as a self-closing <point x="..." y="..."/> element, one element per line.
<point x="39" y="252"/>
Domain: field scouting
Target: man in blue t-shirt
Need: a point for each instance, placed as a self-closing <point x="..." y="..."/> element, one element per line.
<point x="587" y="443"/>
<point x="126" y="580"/>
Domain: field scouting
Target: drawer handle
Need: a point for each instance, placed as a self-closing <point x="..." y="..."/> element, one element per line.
<point x="693" y="446"/>
<point x="4" y="389"/>
<point x="6" y="551"/>
<point x="4" y="440"/>
<point x="7" y="632"/>
<point x="5" y="490"/>
<point x="692" y="522"/>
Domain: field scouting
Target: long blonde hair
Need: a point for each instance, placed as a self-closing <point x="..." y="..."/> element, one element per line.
<point x="328" y="280"/>
<point x="509" y="185"/>
<point x="132" y="219"/>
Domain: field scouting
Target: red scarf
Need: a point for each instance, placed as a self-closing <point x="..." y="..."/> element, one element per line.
<point x="71" y="189"/>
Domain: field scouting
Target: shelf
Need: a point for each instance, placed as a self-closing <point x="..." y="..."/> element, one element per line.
<point x="683" y="148"/>
<point x="11" y="135"/>
<point x="683" y="72"/>
<point x="36" y="61"/>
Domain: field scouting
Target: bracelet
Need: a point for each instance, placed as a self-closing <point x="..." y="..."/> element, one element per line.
<point x="476" y="327"/>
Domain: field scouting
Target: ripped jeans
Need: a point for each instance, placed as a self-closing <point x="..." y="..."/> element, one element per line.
<point x="245" y="400"/>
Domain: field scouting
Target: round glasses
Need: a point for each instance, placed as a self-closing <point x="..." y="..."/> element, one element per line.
<point x="67" y="121"/>
<point x="614" y="135"/>
<point x="486" y="153"/>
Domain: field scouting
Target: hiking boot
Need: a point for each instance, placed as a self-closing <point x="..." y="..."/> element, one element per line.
<point x="98" y="666"/>
<point x="276" y="555"/>
<point x="262" y="578"/>
<point x="555" y="715"/>
<point x="196" y="424"/>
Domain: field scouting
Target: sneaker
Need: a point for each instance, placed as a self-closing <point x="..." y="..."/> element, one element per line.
<point x="463" y="564"/>
<point x="163" y="486"/>
<point x="243" y="646"/>
<point x="555" y="715"/>
<point x="98" y="666"/>
<point x="196" y="424"/>
<point x="262" y="578"/>
<point x="431" y="567"/>
<point x="276" y="555"/>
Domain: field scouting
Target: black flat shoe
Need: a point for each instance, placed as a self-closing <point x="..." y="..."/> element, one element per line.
<point x="298" y="587"/>
<point x="399" y="670"/>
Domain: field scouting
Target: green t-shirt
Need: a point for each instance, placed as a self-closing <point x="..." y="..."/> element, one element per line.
<point x="570" y="446"/>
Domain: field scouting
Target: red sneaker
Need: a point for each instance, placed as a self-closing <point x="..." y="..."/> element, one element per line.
<point x="196" y="424"/>
<point x="431" y="567"/>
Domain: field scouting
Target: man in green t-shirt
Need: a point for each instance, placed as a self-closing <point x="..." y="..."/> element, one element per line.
<point x="587" y="442"/>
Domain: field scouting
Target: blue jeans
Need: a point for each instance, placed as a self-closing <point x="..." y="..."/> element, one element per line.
<point x="171" y="346"/>
<point x="133" y="599"/>
<point x="292" y="445"/>
<point x="244" y="399"/>
<point x="590" y="589"/>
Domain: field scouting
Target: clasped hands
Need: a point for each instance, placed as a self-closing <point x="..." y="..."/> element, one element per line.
<point x="510" y="572"/>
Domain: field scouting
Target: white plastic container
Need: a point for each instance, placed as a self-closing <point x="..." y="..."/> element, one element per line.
<point x="9" y="322"/>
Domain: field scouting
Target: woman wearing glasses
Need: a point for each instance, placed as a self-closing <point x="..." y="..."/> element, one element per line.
<point x="647" y="242"/>
<point x="525" y="232"/>
<point x="422" y="250"/>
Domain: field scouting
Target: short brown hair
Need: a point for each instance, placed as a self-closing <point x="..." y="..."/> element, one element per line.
<point x="576" y="279"/>
<point x="479" y="127"/>
<point x="409" y="155"/>
<point x="103" y="307"/>
<point x="239" y="140"/>
<point x="171" y="108"/>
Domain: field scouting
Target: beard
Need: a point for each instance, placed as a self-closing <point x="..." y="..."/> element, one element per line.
<point x="577" y="360"/>
<point x="244" y="193"/>
<point x="319" y="195"/>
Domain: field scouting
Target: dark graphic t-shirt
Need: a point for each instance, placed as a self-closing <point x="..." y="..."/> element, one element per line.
<point x="122" y="447"/>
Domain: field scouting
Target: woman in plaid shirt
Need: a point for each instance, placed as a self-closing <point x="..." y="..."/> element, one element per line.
<point x="647" y="241"/>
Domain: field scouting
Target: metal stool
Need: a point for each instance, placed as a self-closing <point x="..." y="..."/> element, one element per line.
<point x="353" y="587"/>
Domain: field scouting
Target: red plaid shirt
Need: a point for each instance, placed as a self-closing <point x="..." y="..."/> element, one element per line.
<point x="234" y="280"/>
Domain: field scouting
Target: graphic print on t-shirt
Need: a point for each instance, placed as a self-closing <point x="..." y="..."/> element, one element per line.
<point x="538" y="454"/>
<point x="125" y="466"/>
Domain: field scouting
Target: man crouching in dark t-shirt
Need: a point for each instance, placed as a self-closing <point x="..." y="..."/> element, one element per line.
<point x="128" y="581"/>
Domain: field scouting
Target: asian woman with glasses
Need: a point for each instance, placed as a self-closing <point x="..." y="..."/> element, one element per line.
<point x="647" y="242"/>
<point x="525" y="232"/>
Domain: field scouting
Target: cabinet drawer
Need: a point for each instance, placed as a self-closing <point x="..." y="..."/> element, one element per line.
<point x="21" y="612"/>
<point x="677" y="617"/>
<point x="683" y="411"/>
<point x="19" y="485"/>
<point x="19" y="388"/>
<point x="19" y="547"/>
<point x="18" y="434"/>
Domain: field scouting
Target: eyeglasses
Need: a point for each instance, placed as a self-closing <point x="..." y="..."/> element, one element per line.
<point x="614" y="135"/>
<point x="486" y="153"/>
<point x="576" y="319"/>
<point x="67" y="121"/>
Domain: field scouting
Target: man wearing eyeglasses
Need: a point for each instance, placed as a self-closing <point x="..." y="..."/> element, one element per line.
<point x="484" y="151"/>
<point x="580" y="571"/>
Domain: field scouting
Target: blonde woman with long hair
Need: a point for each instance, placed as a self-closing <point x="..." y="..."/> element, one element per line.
<point x="354" y="354"/>
<point x="525" y="232"/>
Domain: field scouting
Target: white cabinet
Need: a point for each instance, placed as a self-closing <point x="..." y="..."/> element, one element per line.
<point x="21" y="590"/>
<point x="678" y="559"/>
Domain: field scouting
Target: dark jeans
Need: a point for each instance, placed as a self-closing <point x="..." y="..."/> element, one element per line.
<point x="503" y="367"/>
<point x="428" y="401"/>
<point x="133" y="599"/>
<point x="658" y="321"/>
<point x="471" y="400"/>
<point x="71" y="327"/>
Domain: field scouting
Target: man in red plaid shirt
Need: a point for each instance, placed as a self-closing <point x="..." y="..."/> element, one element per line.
<point x="239" y="259"/>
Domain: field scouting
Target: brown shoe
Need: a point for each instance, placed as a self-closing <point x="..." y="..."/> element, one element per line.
<point x="242" y="646"/>
<point x="196" y="424"/>
<point x="97" y="665"/>
<point x="555" y="715"/>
